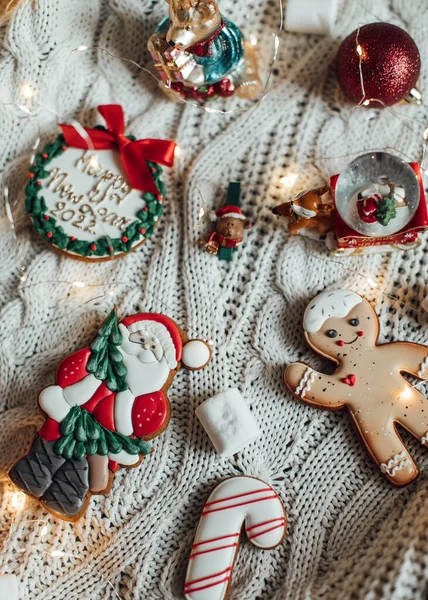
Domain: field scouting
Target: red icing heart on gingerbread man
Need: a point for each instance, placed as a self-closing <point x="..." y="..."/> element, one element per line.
<point x="350" y="380"/>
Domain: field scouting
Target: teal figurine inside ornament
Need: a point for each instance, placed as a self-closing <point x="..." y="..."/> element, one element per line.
<point x="201" y="55"/>
<point x="230" y="226"/>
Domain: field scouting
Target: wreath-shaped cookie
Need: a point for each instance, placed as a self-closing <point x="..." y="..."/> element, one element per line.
<point x="96" y="195"/>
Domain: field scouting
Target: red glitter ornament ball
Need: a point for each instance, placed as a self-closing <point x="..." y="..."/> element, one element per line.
<point x="390" y="65"/>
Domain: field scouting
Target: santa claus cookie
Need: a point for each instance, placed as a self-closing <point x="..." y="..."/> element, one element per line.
<point x="341" y="326"/>
<point x="235" y="503"/>
<point x="97" y="194"/>
<point x="108" y="401"/>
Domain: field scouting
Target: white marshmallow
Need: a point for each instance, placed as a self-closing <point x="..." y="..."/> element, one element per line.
<point x="8" y="587"/>
<point x="228" y="422"/>
<point x="311" y="16"/>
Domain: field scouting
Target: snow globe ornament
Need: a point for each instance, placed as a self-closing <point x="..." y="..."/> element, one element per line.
<point x="376" y="204"/>
<point x="377" y="194"/>
<point x="97" y="194"/>
<point x="200" y="54"/>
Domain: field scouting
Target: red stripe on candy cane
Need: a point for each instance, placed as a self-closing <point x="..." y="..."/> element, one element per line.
<point x="208" y="577"/>
<point x="213" y="550"/>
<point x="205" y="587"/>
<point x="247" y="529"/>
<point x="222" y="537"/>
<point x="208" y="512"/>
<point x="237" y="496"/>
<point x="250" y="537"/>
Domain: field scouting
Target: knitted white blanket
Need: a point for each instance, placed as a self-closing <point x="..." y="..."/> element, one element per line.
<point x="351" y="534"/>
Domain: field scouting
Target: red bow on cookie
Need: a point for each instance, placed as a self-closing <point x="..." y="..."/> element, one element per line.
<point x="134" y="154"/>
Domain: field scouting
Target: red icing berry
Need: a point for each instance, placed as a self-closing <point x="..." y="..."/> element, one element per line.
<point x="72" y="238"/>
<point x="153" y="170"/>
<point x="159" y="197"/>
<point x="49" y="234"/>
<point x="110" y="249"/>
<point x="63" y="147"/>
<point x="44" y="155"/>
<point x="340" y="343"/>
<point x="38" y="183"/>
<point x="31" y="175"/>
<point x="46" y="217"/>
<point x="146" y="208"/>
<point x="93" y="247"/>
<point x="142" y="231"/>
<point x="124" y="239"/>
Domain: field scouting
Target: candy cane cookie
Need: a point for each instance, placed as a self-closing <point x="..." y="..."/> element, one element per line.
<point x="234" y="503"/>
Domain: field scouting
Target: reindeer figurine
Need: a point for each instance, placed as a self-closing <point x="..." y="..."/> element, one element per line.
<point x="201" y="55"/>
<point x="307" y="211"/>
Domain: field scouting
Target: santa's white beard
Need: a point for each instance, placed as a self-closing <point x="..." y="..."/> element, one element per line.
<point x="143" y="376"/>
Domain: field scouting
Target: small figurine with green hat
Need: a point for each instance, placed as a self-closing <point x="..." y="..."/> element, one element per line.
<point x="230" y="226"/>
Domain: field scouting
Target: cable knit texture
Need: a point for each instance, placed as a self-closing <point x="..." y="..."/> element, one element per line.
<point x="351" y="534"/>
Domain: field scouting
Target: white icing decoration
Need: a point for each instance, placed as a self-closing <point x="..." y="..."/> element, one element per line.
<point x="125" y="459"/>
<point x="424" y="439"/>
<point x="115" y="196"/>
<point x="396" y="463"/>
<point x="228" y="421"/>
<point x="123" y="404"/>
<point x="331" y="303"/>
<point x="145" y="378"/>
<point x="424" y="365"/>
<point x="306" y="213"/>
<point x="196" y="354"/>
<point x="80" y="392"/>
<point x="305" y="383"/>
<point x="9" y="587"/>
<point x="159" y="331"/>
<point x="234" y="502"/>
<point x="53" y="403"/>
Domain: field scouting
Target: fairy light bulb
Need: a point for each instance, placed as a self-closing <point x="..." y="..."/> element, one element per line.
<point x="27" y="91"/>
<point x="81" y="48"/>
<point x="288" y="180"/>
<point x="371" y="282"/>
<point x="44" y="531"/>
<point x="18" y="501"/>
<point x="57" y="554"/>
<point x="177" y="152"/>
<point x="78" y="284"/>
<point x="24" y="109"/>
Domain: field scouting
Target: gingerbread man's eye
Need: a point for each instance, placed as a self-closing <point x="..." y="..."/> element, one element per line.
<point x="332" y="333"/>
<point x="354" y="322"/>
<point x="188" y="28"/>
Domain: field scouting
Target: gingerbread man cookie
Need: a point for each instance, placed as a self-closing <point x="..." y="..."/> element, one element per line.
<point x="342" y="326"/>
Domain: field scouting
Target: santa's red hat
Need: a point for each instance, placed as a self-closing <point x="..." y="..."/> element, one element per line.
<point x="196" y="352"/>
<point x="227" y="211"/>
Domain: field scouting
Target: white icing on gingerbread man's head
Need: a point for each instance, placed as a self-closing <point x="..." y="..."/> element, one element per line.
<point x="331" y="303"/>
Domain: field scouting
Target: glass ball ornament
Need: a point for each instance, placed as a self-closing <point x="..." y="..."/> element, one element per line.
<point x="378" y="65"/>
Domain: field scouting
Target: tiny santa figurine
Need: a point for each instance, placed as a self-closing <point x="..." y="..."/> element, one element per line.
<point x="378" y="202"/>
<point x="230" y="223"/>
<point x="108" y="402"/>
